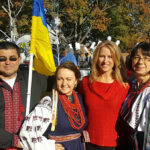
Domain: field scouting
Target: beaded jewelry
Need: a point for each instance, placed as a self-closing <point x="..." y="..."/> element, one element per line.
<point x="73" y="111"/>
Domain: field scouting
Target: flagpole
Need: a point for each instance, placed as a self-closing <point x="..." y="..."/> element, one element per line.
<point x="29" y="84"/>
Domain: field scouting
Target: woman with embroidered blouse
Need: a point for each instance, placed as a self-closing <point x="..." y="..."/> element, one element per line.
<point x="57" y="119"/>
<point x="104" y="91"/>
<point x="135" y="114"/>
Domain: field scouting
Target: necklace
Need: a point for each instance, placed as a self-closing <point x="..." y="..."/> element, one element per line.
<point x="126" y="112"/>
<point x="73" y="111"/>
<point x="139" y="89"/>
<point x="70" y="98"/>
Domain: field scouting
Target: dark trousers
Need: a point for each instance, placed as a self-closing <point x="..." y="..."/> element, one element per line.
<point x="90" y="146"/>
<point x="125" y="140"/>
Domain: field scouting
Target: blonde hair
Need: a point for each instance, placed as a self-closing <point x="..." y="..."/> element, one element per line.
<point x="119" y="66"/>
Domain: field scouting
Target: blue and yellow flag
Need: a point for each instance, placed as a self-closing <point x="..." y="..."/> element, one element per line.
<point x="40" y="42"/>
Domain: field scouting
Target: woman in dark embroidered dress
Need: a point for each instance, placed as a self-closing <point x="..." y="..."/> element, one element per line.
<point x="60" y="120"/>
<point x="135" y="110"/>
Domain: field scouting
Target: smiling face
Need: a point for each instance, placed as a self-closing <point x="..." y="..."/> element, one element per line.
<point x="141" y="64"/>
<point x="65" y="81"/>
<point x="9" y="63"/>
<point x="105" y="61"/>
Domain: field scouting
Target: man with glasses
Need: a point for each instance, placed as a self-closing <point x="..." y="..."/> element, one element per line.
<point x="13" y="93"/>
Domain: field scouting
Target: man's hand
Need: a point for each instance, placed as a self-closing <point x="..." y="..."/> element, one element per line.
<point x="19" y="145"/>
<point x="59" y="147"/>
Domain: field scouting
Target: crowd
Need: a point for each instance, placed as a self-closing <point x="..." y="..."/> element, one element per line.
<point x="82" y="56"/>
<point x="106" y="110"/>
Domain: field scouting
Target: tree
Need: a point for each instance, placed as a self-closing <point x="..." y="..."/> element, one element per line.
<point x="130" y="23"/>
<point x="88" y="20"/>
<point x="83" y="20"/>
<point x="14" y="14"/>
<point x="79" y="17"/>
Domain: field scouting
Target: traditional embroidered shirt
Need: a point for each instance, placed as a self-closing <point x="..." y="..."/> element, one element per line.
<point x="39" y="85"/>
<point x="146" y="145"/>
<point x="37" y="126"/>
<point x="143" y="97"/>
<point x="11" y="82"/>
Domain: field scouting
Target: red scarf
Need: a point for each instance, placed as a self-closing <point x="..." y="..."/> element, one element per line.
<point x="13" y="111"/>
<point x="73" y="111"/>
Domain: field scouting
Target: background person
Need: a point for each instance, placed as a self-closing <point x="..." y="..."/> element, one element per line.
<point x="135" y="110"/>
<point x="13" y="94"/>
<point x="64" y="55"/>
<point x="71" y="118"/>
<point x="130" y="74"/>
<point x="104" y="91"/>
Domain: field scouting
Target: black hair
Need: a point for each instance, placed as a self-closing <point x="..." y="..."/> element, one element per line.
<point x="144" y="47"/>
<point x="63" y="46"/>
<point x="9" y="45"/>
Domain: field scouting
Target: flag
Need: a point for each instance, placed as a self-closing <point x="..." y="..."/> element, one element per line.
<point x="40" y="41"/>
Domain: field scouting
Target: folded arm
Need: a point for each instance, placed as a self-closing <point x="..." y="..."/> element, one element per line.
<point x="35" y="125"/>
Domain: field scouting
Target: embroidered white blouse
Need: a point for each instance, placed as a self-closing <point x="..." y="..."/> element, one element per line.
<point x="143" y="97"/>
<point x="35" y="125"/>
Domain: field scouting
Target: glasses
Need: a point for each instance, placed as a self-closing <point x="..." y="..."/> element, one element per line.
<point x="3" y="59"/>
<point x="138" y="58"/>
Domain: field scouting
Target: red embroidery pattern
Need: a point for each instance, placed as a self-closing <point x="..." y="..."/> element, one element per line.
<point x="13" y="110"/>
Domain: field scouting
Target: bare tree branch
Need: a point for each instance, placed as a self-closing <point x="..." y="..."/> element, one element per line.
<point x="108" y="7"/>
<point x="20" y="9"/>
<point x="4" y="34"/>
<point x="81" y="40"/>
<point x="5" y="9"/>
<point x="9" y="12"/>
<point x="11" y="3"/>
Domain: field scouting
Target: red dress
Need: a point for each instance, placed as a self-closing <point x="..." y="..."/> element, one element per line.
<point x="103" y="102"/>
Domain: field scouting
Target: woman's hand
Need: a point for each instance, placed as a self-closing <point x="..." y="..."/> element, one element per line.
<point x="59" y="147"/>
<point x="19" y="145"/>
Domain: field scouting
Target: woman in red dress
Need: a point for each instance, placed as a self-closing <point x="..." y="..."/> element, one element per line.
<point x="104" y="91"/>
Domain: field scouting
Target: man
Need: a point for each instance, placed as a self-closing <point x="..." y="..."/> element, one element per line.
<point x="64" y="55"/>
<point x="13" y="94"/>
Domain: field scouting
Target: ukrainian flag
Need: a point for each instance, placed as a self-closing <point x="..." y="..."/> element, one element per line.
<point x="40" y="42"/>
